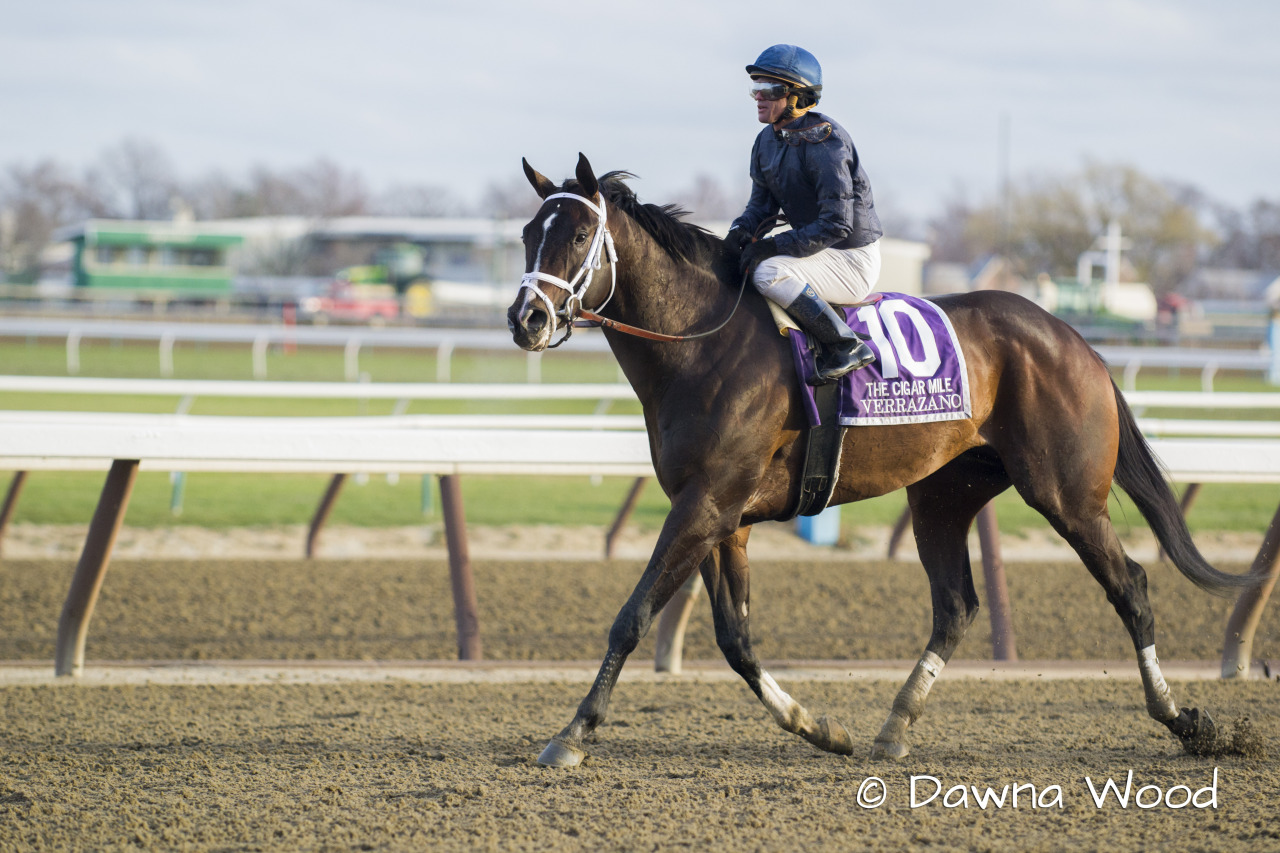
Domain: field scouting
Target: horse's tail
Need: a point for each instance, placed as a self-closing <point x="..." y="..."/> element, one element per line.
<point x="1140" y="475"/>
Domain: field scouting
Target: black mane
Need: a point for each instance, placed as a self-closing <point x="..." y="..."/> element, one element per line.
<point x="682" y="241"/>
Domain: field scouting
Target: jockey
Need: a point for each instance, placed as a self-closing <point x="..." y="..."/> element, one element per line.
<point x="805" y="164"/>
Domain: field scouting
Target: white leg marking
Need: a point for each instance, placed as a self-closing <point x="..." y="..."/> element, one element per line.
<point x="919" y="683"/>
<point x="1160" y="702"/>
<point x="782" y="706"/>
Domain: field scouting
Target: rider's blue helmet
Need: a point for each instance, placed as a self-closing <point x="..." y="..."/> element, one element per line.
<point x="795" y="65"/>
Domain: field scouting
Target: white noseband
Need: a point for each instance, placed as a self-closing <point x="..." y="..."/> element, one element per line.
<point x="601" y="242"/>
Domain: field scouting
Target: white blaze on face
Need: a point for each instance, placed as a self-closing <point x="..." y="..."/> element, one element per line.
<point x="546" y="229"/>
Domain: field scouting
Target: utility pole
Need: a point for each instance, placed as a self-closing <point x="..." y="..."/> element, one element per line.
<point x="1002" y="155"/>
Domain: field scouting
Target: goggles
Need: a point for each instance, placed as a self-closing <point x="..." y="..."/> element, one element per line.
<point x="770" y="90"/>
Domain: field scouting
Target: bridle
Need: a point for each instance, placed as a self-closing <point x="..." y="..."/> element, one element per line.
<point x="573" y="308"/>
<point x="601" y="242"/>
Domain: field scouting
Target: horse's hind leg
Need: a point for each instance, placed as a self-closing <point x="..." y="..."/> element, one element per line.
<point x="1078" y="512"/>
<point x="943" y="505"/>
<point x="727" y="578"/>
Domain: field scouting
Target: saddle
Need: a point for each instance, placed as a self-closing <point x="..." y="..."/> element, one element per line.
<point x="919" y="376"/>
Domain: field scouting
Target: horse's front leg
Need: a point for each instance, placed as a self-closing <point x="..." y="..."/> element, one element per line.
<point x="728" y="580"/>
<point x="687" y="537"/>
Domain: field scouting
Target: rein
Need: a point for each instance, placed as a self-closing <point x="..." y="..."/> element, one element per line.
<point x="577" y="288"/>
<point x="636" y="331"/>
<point x="594" y="318"/>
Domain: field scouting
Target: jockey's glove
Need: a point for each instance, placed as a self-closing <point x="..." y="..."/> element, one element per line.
<point x="757" y="252"/>
<point x="736" y="239"/>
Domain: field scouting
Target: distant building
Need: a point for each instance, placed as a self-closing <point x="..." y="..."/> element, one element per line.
<point x="466" y="260"/>
<point x="174" y="256"/>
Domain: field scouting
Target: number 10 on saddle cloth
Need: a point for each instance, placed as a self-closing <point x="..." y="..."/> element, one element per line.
<point x="919" y="373"/>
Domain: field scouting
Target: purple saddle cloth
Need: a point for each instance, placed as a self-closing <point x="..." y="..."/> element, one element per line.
<point x="919" y="372"/>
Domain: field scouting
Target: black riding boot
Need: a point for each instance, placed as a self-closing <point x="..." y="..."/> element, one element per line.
<point x="840" y="348"/>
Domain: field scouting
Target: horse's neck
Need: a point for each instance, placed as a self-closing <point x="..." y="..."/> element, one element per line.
<point x="660" y="294"/>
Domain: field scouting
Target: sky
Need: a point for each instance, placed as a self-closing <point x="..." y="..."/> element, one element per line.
<point x="453" y="94"/>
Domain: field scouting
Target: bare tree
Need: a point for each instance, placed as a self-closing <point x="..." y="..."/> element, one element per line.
<point x="708" y="200"/>
<point x="327" y="190"/>
<point x="135" y="179"/>
<point x="513" y="199"/>
<point x="1265" y="216"/>
<point x="217" y="196"/>
<point x="417" y="200"/>
<point x="1052" y="219"/>
<point x="34" y="202"/>
<point x="961" y="232"/>
<point x="1248" y="239"/>
<point x="1160" y="219"/>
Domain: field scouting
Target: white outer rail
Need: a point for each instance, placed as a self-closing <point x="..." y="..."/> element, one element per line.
<point x="317" y="390"/>
<point x="1221" y="451"/>
<point x="91" y="441"/>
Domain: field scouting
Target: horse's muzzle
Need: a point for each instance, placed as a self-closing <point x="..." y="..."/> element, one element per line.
<point x="529" y="324"/>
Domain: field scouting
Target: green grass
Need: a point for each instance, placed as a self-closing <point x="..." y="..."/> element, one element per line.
<point x="232" y="500"/>
<point x="249" y="500"/>
<point x="306" y="364"/>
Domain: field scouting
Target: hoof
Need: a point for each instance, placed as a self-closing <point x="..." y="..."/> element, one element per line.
<point x="891" y="751"/>
<point x="560" y="754"/>
<point x="834" y="737"/>
<point x="1202" y="737"/>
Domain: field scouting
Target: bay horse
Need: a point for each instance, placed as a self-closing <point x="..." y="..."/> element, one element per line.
<point x="726" y="431"/>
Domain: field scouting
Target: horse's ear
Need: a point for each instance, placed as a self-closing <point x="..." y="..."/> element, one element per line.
<point x="586" y="177"/>
<point x="541" y="184"/>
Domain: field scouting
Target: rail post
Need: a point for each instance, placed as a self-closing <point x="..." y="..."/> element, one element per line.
<point x="11" y="501"/>
<point x="1003" y="644"/>
<point x="624" y="513"/>
<point x="900" y="528"/>
<point x="73" y="625"/>
<point x="465" y="609"/>
<point x="321" y="514"/>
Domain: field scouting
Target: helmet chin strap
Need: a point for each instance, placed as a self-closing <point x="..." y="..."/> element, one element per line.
<point x="793" y="111"/>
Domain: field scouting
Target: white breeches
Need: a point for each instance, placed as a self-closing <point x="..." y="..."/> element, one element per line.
<point x="840" y="276"/>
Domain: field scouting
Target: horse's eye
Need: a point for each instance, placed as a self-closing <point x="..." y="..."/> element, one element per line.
<point x="580" y="238"/>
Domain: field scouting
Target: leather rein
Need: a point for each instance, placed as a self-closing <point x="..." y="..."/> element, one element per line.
<point x="575" y="314"/>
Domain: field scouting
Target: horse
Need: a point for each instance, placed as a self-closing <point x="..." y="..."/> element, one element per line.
<point x="726" y="431"/>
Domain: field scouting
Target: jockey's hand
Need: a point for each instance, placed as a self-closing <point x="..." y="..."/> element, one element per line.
<point x="734" y="242"/>
<point x="757" y="252"/>
<point x="737" y="239"/>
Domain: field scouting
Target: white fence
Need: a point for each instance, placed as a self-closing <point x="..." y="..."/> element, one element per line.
<point x="352" y="339"/>
<point x="450" y="445"/>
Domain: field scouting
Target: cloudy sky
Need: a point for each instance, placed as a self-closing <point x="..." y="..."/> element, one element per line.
<point x="455" y="93"/>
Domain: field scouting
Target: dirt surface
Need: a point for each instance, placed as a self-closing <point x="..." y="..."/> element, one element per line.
<point x="682" y="762"/>
<point x="561" y="610"/>
<point x="679" y="765"/>
<point x="769" y="541"/>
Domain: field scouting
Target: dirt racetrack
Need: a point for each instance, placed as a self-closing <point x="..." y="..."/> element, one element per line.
<point x="681" y="762"/>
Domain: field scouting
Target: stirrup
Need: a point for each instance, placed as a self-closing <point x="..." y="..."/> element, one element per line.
<point x="856" y="358"/>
